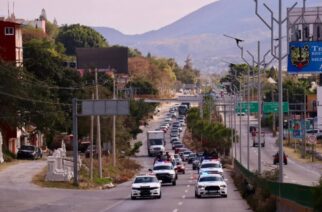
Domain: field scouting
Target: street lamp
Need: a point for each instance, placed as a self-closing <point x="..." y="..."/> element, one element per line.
<point x="279" y="21"/>
<point x="238" y="41"/>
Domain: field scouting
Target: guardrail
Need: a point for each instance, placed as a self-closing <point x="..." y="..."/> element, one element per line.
<point x="300" y="194"/>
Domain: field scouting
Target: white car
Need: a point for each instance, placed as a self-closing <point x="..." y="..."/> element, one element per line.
<point x="145" y="186"/>
<point x="165" y="172"/>
<point x="210" y="185"/>
<point x="211" y="167"/>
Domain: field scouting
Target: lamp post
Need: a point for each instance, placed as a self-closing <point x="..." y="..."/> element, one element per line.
<point x="248" y="90"/>
<point x="279" y="21"/>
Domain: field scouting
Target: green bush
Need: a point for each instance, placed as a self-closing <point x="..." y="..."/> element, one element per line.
<point x="317" y="195"/>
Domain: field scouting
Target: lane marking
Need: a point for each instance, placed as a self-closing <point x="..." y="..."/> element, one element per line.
<point x="186" y="191"/>
<point x="180" y="203"/>
<point x="114" y="205"/>
<point x="188" y="186"/>
<point x="184" y="196"/>
<point x="175" y="210"/>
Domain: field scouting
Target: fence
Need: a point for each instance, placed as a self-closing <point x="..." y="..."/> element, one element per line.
<point x="302" y="195"/>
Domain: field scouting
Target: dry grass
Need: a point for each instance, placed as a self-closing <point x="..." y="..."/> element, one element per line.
<point x="296" y="155"/>
<point x="125" y="170"/>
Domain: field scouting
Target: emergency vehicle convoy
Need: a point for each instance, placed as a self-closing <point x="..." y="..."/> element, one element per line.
<point x="173" y="159"/>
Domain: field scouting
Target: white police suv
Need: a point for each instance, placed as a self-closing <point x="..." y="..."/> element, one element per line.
<point x="210" y="185"/>
<point x="146" y="186"/>
<point x="211" y="167"/>
<point x="165" y="172"/>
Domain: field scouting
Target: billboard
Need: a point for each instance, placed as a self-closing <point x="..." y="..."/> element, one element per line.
<point x="103" y="58"/>
<point x="305" y="57"/>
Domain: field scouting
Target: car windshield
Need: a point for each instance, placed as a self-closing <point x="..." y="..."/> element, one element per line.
<point x="179" y="145"/>
<point x="31" y="148"/>
<point x="210" y="178"/>
<point x="211" y="165"/>
<point x="145" y="180"/>
<point x="186" y="153"/>
<point x="165" y="167"/>
<point x="156" y="142"/>
<point x="192" y="155"/>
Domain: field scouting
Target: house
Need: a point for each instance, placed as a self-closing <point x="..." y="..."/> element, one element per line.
<point x="11" y="42"/>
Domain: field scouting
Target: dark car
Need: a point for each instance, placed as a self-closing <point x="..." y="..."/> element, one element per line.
<point x="276" y="158"/>
<point x="29" y="152"/>
<point x="191" y="158"/>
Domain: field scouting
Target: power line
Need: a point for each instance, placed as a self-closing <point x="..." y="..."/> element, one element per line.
<point x="32" y="100"/>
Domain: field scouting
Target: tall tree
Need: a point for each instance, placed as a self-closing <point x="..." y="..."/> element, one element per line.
<point x="78" y="36"/>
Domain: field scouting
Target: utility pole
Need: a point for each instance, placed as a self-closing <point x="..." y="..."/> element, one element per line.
<point x="98" y="131"/>
<point x="75" y="141"/>
<point x="279" y="21"/>
<point x="91" y="137"/>
<point x="114" y="123"/>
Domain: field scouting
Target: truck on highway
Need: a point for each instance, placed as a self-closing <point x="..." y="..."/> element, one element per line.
<point x="183" y="109"/>
<point x="155" y="142"/>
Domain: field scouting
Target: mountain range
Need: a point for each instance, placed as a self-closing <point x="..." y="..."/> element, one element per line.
<point x="199" y="35"/>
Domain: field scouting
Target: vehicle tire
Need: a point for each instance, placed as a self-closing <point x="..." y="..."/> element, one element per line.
<point x="159" y="197"/>
<point x="225" y="195"/>
<point x="133" y="198"/>
<point x="274" y="163"/>
<point x="183" y="172"/>
<point x="176" y="176"/>
<point x="193" y="168"/>
<point x="174" y="183"/>
<point x="263" y="145"/>
<point x="253" y="145"/>
<point x="197" y="196"/>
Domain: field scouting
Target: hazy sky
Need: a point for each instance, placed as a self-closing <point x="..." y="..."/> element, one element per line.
<point x="128" y="16"/>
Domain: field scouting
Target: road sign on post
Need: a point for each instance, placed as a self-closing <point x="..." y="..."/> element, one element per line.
<point x="272" y="107"/>
<point x="253" y="106"/>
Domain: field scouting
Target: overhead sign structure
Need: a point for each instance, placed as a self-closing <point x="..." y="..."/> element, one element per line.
<point x="196" y="98"/>
<point x="103" y="58"/>
<point x="253" y="106"/>
<point x="305" y="57"/>
<point x="272" y="107"/>
<point x="104" y="107"/>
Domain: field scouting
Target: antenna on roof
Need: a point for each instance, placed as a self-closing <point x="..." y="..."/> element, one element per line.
<point x="8" y="10"/>
<point x="13" y="8"/>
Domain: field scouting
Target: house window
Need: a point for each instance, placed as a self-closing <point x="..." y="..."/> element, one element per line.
<point x="9" y="31"/>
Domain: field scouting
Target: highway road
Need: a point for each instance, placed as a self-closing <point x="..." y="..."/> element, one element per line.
<point x="18" y="194"/>
<point x="294" y="172"/>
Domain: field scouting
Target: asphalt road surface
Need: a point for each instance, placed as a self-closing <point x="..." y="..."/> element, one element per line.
<point x="294" y="172"/>
<point x="18" y="194"/>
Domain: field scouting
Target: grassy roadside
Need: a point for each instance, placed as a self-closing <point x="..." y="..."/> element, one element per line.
<point x="296" y="155"/>
<point x="125" y="170"/>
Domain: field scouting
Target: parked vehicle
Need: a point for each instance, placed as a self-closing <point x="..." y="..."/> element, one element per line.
<point x="29" y="152"/>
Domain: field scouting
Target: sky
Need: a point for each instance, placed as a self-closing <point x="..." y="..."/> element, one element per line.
<point x="127" y="16"/>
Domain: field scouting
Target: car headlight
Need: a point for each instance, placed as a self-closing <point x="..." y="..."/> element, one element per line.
<point x="200" y="186"/>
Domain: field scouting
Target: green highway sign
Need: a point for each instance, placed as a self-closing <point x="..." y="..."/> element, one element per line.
<point x="272" y="107"/>
<point x="253" y="106"/>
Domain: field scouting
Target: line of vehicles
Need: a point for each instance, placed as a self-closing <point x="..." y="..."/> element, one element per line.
<point x="169" y="164"/>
